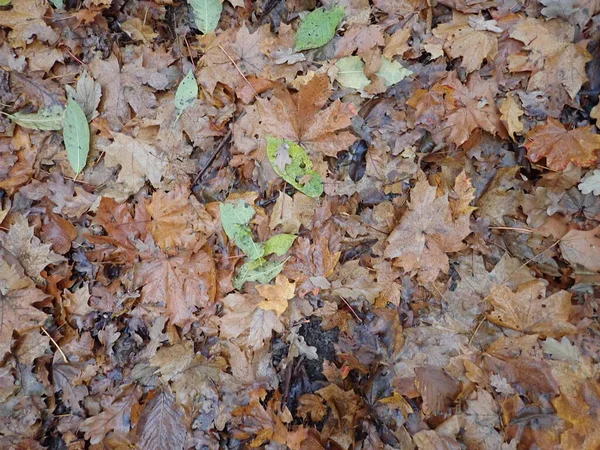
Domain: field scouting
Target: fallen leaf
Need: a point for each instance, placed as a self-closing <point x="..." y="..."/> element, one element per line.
<point x="560" y="146"/>
<point x="581" y="247"/>
<point x="318" y="28"/>
<point x="530" y="311"/>
<point x="206" y="14"/>
<point x="351" y="72"/>
<point x="561" y="350"/>
<point x="76" y="135"/>
<point x="511" y="115"/>
<point x="591" y="183"/>
<point x="277" y="295"/>
<point x="26" y="20"/>
<point x="87" y="95"/>
<point x="426" y="233"/>
<point x="161" y="424"/>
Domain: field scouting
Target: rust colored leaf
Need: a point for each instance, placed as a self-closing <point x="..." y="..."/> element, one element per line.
<point x="161" y="424"/>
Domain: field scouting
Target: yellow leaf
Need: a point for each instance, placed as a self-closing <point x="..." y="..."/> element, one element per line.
<point x="511" y="113"/>
<point x="276" y="296"/>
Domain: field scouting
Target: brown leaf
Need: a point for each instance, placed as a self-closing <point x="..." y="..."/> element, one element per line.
<point x="560" y="146"/>
<point x="276" y="296"/>
<point x="437" y="388"/>
<point x="583" y="413"/>
<point x="180" y="284"/>
<point x="161" y="424"/>
<point x="581" y="247"/>
<point x="426" y="233"/>
<point x="529" y="310"/>
<point x="26" y="21"/>
<point x="300" y="118"/>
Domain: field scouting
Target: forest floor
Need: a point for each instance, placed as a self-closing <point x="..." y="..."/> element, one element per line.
<point x="335" y="224"/>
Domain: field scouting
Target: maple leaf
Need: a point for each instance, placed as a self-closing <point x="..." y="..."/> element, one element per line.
<point x="17" y="297"/>
<point x="276" y="296"/>
<point x="528" y="309"/>
<point x="481" y="420"/>
<point x="581" y="247"/>
<point x="107" y="72"/>
<point x="300" y="117"/>
<point x="27" y="248"/>
<point x="560" y="146"/>
<point x="180" y="284"/>
<point x="161" y="424"/>
<point x="582" y="412"/>
<point x="426" y="233"/>
<point x="26" y="21"/>
<point x="138" y="161"/>
<point x="178" y="220"/>
<point x="115" y="416"/>
<point x="471" y="44"/>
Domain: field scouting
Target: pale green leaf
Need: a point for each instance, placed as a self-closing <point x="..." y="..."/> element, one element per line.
<point x="76" y="134"/>
<point x="351" y="73"/>
<point x="186" y="93"/>
<point x="561" y="350"/>
<point x="235" y="220"/>
<point x="58" y="4"/>
<point x="206" y="14"/>
<point x="260" y="270"/>
<point x="318" y="28"/>
<point x="299" y="172"/>
<point x="5" y="2"/>
<point x="392" y="72"/>
<point x="591" y="183"/>
<point x="49" y="119"/>
<point x="279" y="244"/>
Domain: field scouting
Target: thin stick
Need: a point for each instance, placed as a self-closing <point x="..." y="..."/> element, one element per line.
<point x="531" y="259"/>
<point x="189" y="51"/>
<point x="56" y="344"/>
<point x="238" y="69"/>
<point x="214" y="156"/>
<point x="521" y="230"/>
<point x="351" y="309"/>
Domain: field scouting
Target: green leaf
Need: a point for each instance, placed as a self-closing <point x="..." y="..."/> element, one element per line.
<point x="48" y="119"/>
<point x="351" y="73"/>
<point x="318" y="28"/>
<point x="5" y="2"/>
<point x="260" y="270"/>
<point x="235" y="220"/>
<point x="58" y="4"/>
<point x="299" y="172"/>
<point x="206" y="14"/>
<point x="392" y="72"/>
<point x="279" y="244"/>
<point x="76" y="135"/>
<point x="186" y="93"/>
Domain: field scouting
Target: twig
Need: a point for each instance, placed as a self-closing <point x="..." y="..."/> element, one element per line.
<point x="189" y="51"/>
<point x="521" y="230"/>
<point x="56" y="344"/>
<point x="531" y="259"/>
<point x="213" y="156"/>
<point x="351" y="309"/>
<point x="238" y="69"/>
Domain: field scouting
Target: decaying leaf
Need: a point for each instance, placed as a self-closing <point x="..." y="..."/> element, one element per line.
<point x="581" y="247"/>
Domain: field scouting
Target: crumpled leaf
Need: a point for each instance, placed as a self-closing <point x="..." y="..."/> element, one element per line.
<point x="560" y="146"/>
<point x="76" y="135"/>
<point x="318" y="28"/>
<point x="186" y="93"/>
<point x="26" y="21"/>
<point x="351" y="73"/>
<point x="206" y="14"/>
<point x="299" y="172"/>
<point x="591" y="183"/>
<point x="46" y="119"/>
<point x="235" y="220"/>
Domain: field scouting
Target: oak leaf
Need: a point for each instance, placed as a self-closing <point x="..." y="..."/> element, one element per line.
<point x="300" y="117"/>
<point x="560" y="146"/>
<point x="426" y="233"/>
<point x="529" y="310"/>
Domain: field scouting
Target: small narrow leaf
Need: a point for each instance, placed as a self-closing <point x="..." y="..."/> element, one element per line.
<point x="392" y="72"/>
<point x="186" y="93"/>
<point x="49" y="119"/>
<point x="351" y="73"/>
<point x="318" y="28"/>
<point x="206" y="14"/>
<point x="299" y="172"/>
<point x="76" y="135"/>
<point x="279" y="244"/>
<point x="260" y="270"/>
<point x="235" y="220"/>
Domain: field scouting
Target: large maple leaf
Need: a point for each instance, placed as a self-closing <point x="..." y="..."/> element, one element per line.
<point x="179" y="284"/>
<point x="300" y="117"/>
<point x="426" y="233"/>
<point x="27" y="20"/>
<point x="560" y="146"/>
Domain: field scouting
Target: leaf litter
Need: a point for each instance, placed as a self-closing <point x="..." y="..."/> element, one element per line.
<point x="297" y="224"/>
